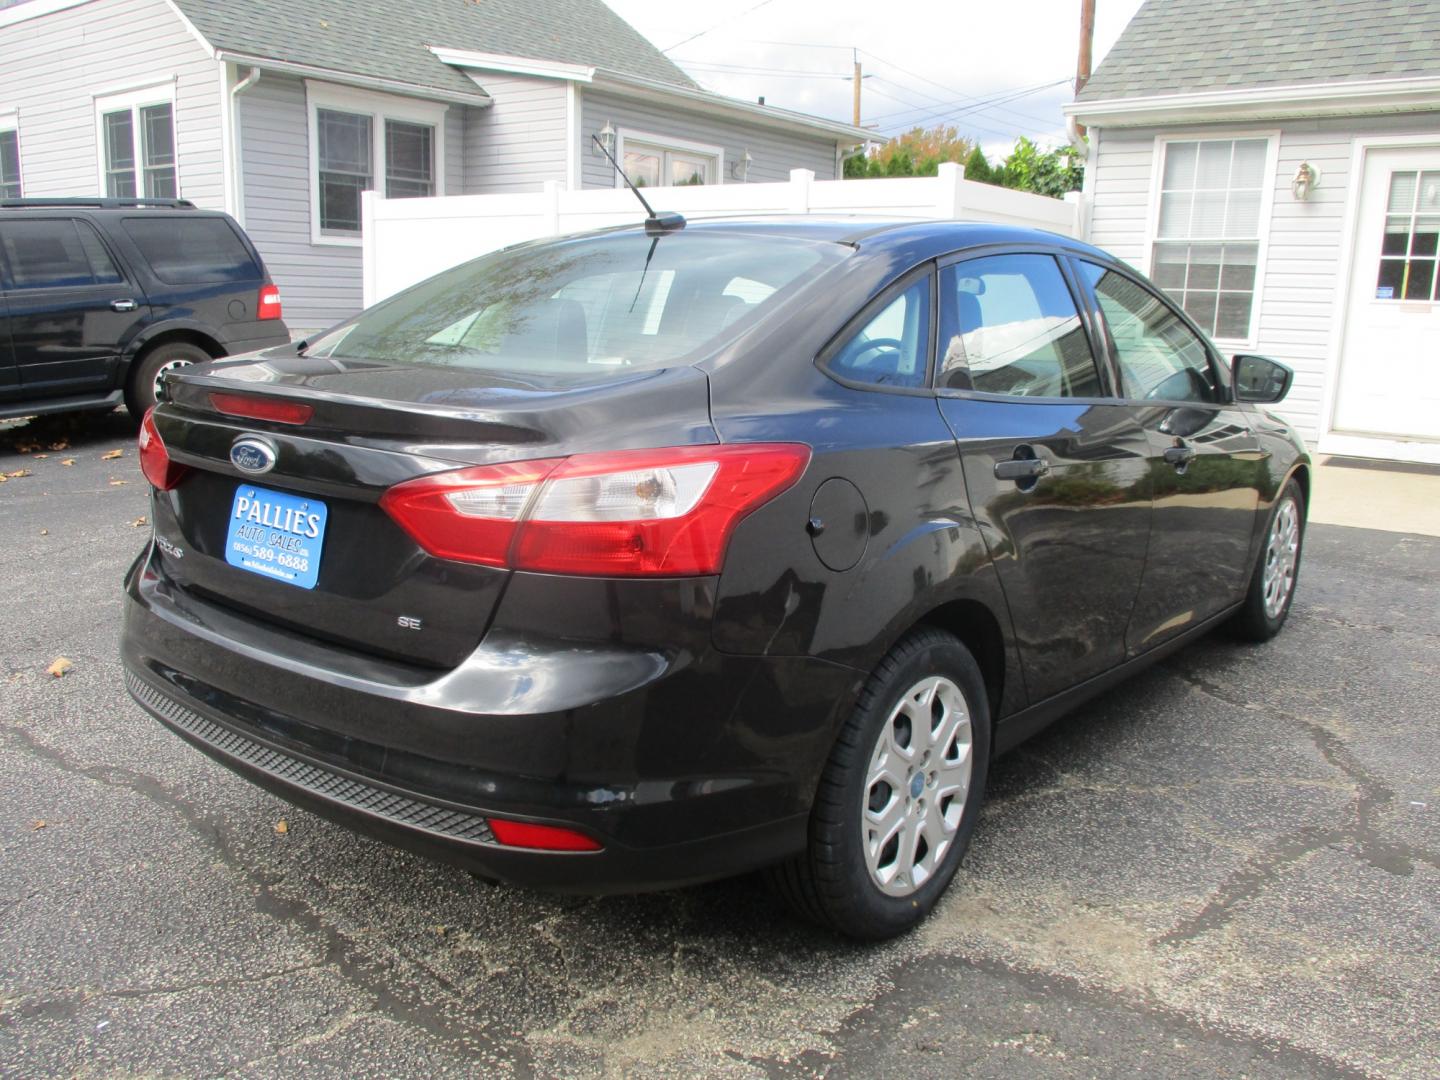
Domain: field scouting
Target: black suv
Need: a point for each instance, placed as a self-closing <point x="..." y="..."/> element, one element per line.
<point x="100" y="297"/>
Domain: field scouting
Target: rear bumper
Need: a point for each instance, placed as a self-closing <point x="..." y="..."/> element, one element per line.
<point x="685" y="767"/>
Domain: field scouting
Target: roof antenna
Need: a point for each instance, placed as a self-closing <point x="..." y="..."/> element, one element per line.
<point x="655" y="224"/>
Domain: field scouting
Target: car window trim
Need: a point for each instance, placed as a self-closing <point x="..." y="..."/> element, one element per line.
<point x="868" y="311"/>
<point x="1108" y="378"/>
<point x="1211" y="354"/>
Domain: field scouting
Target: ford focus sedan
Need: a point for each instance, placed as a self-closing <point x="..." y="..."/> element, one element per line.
<point x="644" y="557"/>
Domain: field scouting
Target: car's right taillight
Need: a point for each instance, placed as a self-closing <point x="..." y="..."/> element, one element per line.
<point x="268" y="305"/>
<point x="155" y="460"/>
<point x="630" y="513"/>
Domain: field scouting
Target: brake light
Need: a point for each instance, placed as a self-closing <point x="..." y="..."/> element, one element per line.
<point x="155" y="460"/>
<point x="257" y="408"/>
<point x="542" y="837"/>
<point x="268" y="306"/>
<point x="663" y="513"/>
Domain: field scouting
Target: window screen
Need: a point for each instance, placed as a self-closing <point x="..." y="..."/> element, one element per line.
<point x="346" y="167"/>
<point x="1009" y="326"/>
<point x="191" y="250"/>
<point x="55" y="253"/>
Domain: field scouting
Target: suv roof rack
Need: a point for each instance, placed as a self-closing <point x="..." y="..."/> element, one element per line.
<point x="101" y="203"/>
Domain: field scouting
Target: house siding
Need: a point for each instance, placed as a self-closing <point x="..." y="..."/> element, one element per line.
<point x="517" y="143"/>
<point x="52" y="66"/>
<point x="773" y="153"/>
<point x="320" y="284"/>
<point x="1303" y="241"/>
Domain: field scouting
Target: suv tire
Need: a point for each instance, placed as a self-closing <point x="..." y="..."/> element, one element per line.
<point x="146" y="370"/>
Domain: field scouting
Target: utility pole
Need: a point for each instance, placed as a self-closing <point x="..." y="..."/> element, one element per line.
<point x="1087" y="41"/>
<point x="855" y="110"/>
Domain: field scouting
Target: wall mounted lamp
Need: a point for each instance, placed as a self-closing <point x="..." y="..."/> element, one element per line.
<point x="1305" y="180"/>
<point x="606" y="136"/>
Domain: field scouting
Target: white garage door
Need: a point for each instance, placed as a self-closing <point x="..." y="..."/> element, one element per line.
<point x="1389" y="386"/>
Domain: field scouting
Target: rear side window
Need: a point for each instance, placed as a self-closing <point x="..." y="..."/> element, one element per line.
<point x="53" y="253"/>
<point x="890" y="349"/>
<point x="184" y="251"/>
<point x="1009" y="325"/>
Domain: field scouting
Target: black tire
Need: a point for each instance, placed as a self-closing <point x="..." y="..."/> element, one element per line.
<point x="1259" y="619"/>
<point x="140" y="386"/>
<point x="830" y="882"/>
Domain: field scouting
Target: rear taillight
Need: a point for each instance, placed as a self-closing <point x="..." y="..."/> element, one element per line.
<point x="630" y="513"/>
<point x="258" y="408"/>
<point x="540" y="837"/>
<point x="268" y="306"/>
<point x="155" y="460"/>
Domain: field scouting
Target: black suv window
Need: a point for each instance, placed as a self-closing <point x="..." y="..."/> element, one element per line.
<point x="191" y="250"/>
<point x="54" y="253"/>
<point x="1009" y="325"/>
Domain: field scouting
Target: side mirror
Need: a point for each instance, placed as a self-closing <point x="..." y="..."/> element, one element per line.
<point x="1260" y="380"/>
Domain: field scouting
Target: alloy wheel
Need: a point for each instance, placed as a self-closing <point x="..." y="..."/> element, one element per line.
<point x="169" y="365"/>
<point x="1282" y="554"/>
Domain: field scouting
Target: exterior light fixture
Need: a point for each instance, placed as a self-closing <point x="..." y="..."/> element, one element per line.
<point x="607" y="139"/>
<point x="740" y="168"/>
<point x="1305" y="180"/>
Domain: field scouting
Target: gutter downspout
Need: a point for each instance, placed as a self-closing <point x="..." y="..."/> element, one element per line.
<point x="235" y="163"/>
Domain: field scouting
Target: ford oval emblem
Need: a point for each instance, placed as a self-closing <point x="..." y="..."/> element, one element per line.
<point x="252" y="454"/>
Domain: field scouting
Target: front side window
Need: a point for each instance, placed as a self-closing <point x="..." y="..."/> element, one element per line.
<point x="1160" y="357"/>
<point x="9" y="164"/>
<point x="892" y="348"/>
<point x="1408" y="249"/>
<point x="1009" y="325"/>
<point x="139" y="149"/>
<point x="655" y="164"/>
<point x="53" y="253"/>
<point x="1207" y="242"/>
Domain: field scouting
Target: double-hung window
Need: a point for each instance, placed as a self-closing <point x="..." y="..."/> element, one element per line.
<point x="137" y="144"/>
<point x="652" y="161"/>
<point x="1206" y="253"/>
<point x="368" y="142"/>
<point x="10" y="187"/>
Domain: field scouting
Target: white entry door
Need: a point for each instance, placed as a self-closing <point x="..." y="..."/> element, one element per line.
<point x="1389" y="385"/>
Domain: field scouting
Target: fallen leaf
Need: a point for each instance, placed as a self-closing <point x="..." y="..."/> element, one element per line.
<point x="63" y="444"/>
<point x="59" y="667"/>
<point x="44" y="532"/>
<point x="111" y="455"/>
<point x="118" y="483"/>
<point x="67" y="462"/>
<point x="138" y="522"/>
<point x="18" y="473"/>
<point x="440" y="930"/>
<point x="281" y="827"/>
<point x="40" y="456"/>
<point x="36" y="825"/>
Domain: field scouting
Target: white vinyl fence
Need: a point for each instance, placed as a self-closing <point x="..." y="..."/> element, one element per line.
<point x="407" y="240"/>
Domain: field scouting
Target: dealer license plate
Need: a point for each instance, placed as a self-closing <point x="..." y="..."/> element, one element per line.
<point x="276" y="534"/>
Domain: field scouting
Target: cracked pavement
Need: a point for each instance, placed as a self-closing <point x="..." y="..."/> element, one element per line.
<point x="1230" y="865"/>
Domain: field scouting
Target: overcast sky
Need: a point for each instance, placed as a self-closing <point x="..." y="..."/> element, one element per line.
<point x="926" y="61"/>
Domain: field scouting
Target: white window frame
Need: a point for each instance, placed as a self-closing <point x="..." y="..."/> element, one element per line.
<point x="379" y="107"/>
<point x="10" y="121"/>
<point x="667" y="143"/>
<point x="1267" y="203"/>
<point x="136" y="98"/>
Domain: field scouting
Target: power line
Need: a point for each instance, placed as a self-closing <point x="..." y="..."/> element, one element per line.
<point x="971" y="124"/>
<point x="722" y="22"/>
<point x="961" y="110"/>
<point x="955" y="109"/>
<point x="941" y="86"/>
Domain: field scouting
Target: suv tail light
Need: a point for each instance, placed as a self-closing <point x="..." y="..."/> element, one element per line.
<point x="268" y="306"/>
<point x="631" y="513"/>
<point x="155" y="460"/>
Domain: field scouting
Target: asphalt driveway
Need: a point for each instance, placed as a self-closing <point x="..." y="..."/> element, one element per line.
<point x="1229" y="866"/>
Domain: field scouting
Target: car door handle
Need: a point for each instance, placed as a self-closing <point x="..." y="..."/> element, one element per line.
<point x="1179" y="456"/>
<point x="122" y="305"/>
<point x="1021" y="469"/>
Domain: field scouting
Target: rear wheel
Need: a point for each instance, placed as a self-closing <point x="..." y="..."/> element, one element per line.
<point x="1272" y="585"/>
<point x="143" y="385"/>
<point x="899" y="796"/>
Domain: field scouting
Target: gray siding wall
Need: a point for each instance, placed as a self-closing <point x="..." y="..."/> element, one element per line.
<point x="52" y="65"/>
<point x="773" y="153"/>
<point x="320" y="284"/>
<point x="517" y="143"/>
<point x="1301" y="243"/>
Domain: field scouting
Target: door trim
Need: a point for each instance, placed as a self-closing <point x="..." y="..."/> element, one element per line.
<point x="1346" y="443"/>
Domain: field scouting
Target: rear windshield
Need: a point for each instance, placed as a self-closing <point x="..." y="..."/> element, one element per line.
<point x="182" y="251"/>
<point x="585" y="309"/>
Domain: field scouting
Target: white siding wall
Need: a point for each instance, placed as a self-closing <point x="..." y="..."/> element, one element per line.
<point x="1304" y="240"/>
<point x="52" y="66"/>
<point x="319" y="283"/>
<point x="774" y="153"/>
<point x="517" y="143"/>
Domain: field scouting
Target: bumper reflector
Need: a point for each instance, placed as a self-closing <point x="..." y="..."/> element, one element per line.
<point x="540" y="837"/>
